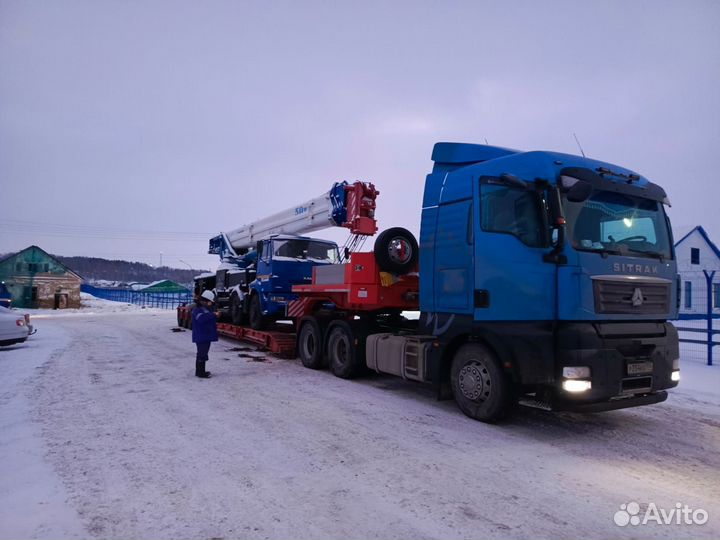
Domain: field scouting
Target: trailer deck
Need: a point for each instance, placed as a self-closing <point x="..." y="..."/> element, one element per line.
<point x="279" y="339"/>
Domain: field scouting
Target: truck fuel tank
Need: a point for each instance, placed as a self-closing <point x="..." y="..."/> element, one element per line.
<point x="403" y="356"/>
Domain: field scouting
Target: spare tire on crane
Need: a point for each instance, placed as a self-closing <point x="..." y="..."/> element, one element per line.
<point x="396" y="250"/>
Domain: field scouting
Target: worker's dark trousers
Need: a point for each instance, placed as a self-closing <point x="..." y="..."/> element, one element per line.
<point x="201" y="358"/>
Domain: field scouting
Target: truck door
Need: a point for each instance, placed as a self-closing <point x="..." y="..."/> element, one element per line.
<point x="512" y="283"/>
<point x="454" y="258"/>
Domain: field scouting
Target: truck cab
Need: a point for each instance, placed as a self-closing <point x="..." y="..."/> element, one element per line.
<point x="556" y="270"/>
<point x="283" y="261"/>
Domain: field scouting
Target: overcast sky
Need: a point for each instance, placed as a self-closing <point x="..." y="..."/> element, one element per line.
<point x="130" y="129"/>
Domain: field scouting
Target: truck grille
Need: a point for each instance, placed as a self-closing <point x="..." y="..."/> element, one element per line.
<point x="633" y="296"/>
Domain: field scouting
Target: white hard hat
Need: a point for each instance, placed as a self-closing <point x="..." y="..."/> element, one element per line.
<point x="208" y="295"/>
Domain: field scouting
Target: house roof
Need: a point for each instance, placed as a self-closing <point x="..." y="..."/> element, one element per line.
<point x="705" y="236"/>
<point x="69" y="270"/>
<point x="164" y="285"/>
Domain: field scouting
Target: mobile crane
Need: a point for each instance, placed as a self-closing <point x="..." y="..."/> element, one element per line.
<point x="261" y="261"/>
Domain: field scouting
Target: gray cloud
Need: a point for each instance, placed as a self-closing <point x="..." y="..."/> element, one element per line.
<point x="181" y="116"/>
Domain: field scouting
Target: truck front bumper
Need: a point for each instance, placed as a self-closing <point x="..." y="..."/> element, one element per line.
<point x="630" y="364"/>
<point x="612" y="404"/>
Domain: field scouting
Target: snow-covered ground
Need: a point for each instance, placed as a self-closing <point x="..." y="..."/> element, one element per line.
<point x="106" y="433"/>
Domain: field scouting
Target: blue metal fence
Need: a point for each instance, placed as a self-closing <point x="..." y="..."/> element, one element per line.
<point x="708" y="316"/>
<point x="163" y="300"/>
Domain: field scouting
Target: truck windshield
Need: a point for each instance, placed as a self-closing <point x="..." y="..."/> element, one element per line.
<point x="618" y="224"/>
<point x="310" y="250"/>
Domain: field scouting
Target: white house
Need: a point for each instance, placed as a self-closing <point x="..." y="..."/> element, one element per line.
<point x="696" y="253"/>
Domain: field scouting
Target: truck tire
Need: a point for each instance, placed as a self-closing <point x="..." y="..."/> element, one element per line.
<point x="481" y="389"/>
<point x="341" y="351"/>
<point x="257" y="320"/>
<point x="184" y="318"/>
<point x="237" y="315"/>
<point x="396" y="250"/>
<point x="310" y="344"/>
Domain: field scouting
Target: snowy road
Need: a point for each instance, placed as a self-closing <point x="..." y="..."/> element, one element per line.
<point x="107" y="433"/>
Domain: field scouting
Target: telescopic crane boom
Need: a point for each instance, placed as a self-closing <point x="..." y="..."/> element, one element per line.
<point x="349" y="205"/>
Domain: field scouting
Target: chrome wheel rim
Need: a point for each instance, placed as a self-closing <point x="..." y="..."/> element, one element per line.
<point x="474" y="381"/>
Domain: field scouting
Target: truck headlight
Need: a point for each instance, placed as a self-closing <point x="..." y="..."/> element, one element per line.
<point x="675" y="375"/>
<point x="576" y="386"/>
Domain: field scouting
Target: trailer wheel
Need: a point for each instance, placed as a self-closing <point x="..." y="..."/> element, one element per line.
<point x="396" y="250"/>
<point x="480" y="387"/>
<point x="341" y="351"/>
<point x="310" y="344"/>
<point x="236" y="310"/>
<point x="184" y="318"/>
<point x="257" y="320"/>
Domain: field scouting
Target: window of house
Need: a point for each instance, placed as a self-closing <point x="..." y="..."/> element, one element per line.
<point x="46" y="267"/>
<point x="716" y="295"/>
<point x="18" y="267"/>
<point x="695" y="255"/>
<point x="32" y="267"/>
<point x="688" y="294"/>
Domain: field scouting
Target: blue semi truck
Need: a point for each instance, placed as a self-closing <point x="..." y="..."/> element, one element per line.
<point x="544" y="278"/>
<point x="550" y="276"/>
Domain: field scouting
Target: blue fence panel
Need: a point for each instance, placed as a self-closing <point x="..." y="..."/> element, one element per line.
<point x="163" y="300"/>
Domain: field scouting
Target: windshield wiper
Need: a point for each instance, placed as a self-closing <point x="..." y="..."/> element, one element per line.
<point x="604" y="252"/>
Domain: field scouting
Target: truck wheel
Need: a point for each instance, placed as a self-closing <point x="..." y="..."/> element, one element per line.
<point x="341" y="351"/>
<point x="185" y="318"/>
<point x="480" y="387"/>
<point x="257" y="319"/>
<point x="396" y="250"/>
<point x="236" y="310"/>
<point x="310" y="344"/>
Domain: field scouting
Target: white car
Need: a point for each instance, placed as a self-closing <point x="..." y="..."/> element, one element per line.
<point x="15" y="327"/>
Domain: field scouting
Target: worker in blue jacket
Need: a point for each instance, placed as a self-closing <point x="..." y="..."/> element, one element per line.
<point x="204" y="331"/>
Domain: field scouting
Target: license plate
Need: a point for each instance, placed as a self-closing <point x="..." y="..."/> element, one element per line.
<point x="639" y="368"/>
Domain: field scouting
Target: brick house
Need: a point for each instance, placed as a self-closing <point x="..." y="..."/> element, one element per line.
<point x="35" y="279"/>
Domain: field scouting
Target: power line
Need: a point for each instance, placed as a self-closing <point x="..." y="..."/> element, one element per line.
<point x="56" y="229"/>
